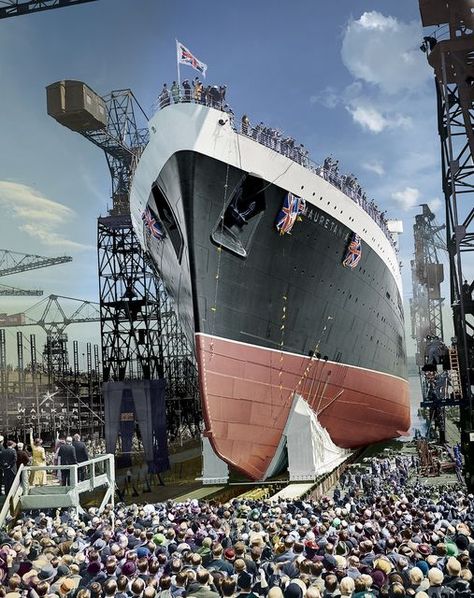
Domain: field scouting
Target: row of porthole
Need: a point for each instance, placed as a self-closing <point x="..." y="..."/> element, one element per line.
<point x="352" y="220"/>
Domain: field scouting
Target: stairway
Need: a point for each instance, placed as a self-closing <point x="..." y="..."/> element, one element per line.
<point x="455" y="376"/>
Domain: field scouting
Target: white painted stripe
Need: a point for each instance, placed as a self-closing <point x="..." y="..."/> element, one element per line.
<point x="279" y="351"/>
<point x="191" y="127"/>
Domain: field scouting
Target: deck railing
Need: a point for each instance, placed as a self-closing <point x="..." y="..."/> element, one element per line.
<point x="273" y="139"/>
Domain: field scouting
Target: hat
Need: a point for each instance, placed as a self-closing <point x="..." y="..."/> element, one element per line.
<point x="142" y="551"/>
<point x="462" y="541"/>
<point x="453" y="566"/>
<point x="424" y="549"/>
<point x="99" y="544"/>
<point x="435" y="576"/>
<point x="383" y="564"/>
<point x="451" y="549"/>
<point x="423" y="565"/>
<point x="244" y="580"/>
<point x="67" y="586"/>
<point x="27" y="576"/>
<point x="47" y="573"/>
<point x="229" y="554"/>
<point x="405" y="550"/>
<point x="158" y="539"/>
<point x="128" y="568"/>
<point x="94" y="567"/>
<point x="379" y="577"/>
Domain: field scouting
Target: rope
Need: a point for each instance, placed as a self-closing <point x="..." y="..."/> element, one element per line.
<point x="219" y="256"/>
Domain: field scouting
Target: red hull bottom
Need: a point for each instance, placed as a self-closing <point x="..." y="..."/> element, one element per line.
<point x="247" y="392"/>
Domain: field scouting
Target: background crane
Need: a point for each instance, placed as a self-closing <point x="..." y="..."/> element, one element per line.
<point x="54" y="314"/>
<point x="12" y="262"/>
<point x="14" y="8"/>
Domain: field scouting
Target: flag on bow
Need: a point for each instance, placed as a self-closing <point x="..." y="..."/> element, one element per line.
<point x="353" y="253"/>
<point x="292" y="207"/>
<point x="152" y="225"/>
<point x="186" y="57"/>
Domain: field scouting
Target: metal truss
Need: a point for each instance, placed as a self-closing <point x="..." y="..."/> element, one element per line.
<point x="12" y="262"/>
<point x="427" y="275"/>
<point x="14" y="8"/>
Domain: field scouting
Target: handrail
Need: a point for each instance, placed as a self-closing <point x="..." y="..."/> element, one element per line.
<point x="17" y="483"/>
<point x="92" y="479"/>
<point x="287" y="146"/>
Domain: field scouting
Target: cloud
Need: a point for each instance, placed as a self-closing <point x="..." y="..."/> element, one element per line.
<point x="406" y="198"/>
<point x="372" y="119"/>
<point x="435" y="204"/>
<point x="384" y="51"/>
<point x="40" y="217"/>
<point x="374" y="166"/>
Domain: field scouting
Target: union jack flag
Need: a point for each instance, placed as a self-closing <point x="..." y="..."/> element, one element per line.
<point x="292" y="207"/>
<point x="353" y="253"/>
<point x="186" y="57"/>
<point x="152" y="225"/>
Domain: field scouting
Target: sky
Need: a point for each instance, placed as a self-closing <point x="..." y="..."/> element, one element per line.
<point x="345" y="78"/>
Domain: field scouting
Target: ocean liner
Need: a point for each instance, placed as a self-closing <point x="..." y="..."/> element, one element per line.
<point x="253" y="247"/>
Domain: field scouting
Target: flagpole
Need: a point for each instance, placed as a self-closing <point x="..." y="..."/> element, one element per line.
<point x="177" y="64"/>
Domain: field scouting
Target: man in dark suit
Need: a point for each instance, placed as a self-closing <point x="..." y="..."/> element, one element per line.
<point x="2" y="448"/>
<point x="67" y="455"/>
<point x="9" y="465"/>
<point x="81" y="454"/>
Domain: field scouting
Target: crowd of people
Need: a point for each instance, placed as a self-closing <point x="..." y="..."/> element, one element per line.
<point x="215" y="97"/>
<point x="68" y="451"/>
<point x="382" y="533"/>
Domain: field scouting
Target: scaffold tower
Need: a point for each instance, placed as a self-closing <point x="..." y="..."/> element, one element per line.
<point x="427" y="274"/>
<point x="449" y="51"/>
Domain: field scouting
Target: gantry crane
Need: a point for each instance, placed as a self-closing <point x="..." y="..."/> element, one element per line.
<point x="14" y="8"/>
<point x="12" y="262"/>
<point x="449" y="50"/>
<point x="54" y="314"/>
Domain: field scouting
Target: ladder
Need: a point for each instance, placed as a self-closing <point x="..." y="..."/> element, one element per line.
<point x="455" y="376"/>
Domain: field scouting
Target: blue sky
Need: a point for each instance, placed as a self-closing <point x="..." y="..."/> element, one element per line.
<point x="344" y="78"/>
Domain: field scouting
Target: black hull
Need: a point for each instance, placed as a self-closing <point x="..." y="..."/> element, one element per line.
<point x="289" y="292"/>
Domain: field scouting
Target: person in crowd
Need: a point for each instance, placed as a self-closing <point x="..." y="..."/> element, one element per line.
<point x="164" y="97"/>
<point x="187" y="91"/>
<point x="2" y="448"/>
<point x="175" y="92"/>
<point x="9" y="465"/>
<point x="22" y="456"/>
<point x="56" y="459"/>
<point x="81" y="454"/>
<point x="67" y="456"/>
<point x="38" y="458"/>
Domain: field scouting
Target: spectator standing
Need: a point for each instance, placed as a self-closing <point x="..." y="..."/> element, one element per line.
<point x="175" y="92"/>
<point x="37" y="478"/>
<point x="2" y="448"/>
<point x="67" y="454"/>
<point x="22" y="456"/>
<point x="9" y="465"/>
<point x="187" y="90"/>
<point x="81" y="453"/>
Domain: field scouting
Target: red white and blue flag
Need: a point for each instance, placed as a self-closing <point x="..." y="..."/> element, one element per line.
<point x="152" y="225"/>
<point x="353" y="253"/>
<point x="186" y="57"/>
<point x="292" y="207"/>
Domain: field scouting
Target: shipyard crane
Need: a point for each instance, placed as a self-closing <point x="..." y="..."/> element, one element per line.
<point x="15" y="8"/>
<point x="449" y="51"/>
<point x="54" y="314"/>
<point x="140" y="332"/>
<point x="427" y="276"/>
<point x="12" y="262"/>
